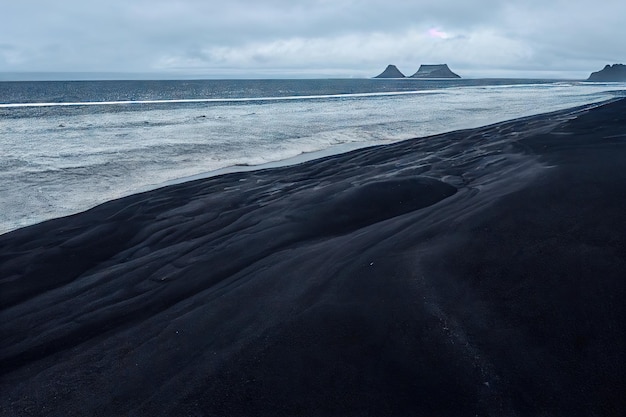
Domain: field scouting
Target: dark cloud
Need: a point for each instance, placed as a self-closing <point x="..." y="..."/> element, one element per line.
<point x="313" y="36"/>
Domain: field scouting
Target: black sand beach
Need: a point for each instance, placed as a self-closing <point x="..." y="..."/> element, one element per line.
<point x="479" y="272"/>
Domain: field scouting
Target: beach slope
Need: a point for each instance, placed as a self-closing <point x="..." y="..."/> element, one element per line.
<point x="478" y="272"/>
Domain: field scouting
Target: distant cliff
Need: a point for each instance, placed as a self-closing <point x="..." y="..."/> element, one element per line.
<point x="390" y="72"/>
<point x="434" y="71"/>
<point x="609" y="73"/>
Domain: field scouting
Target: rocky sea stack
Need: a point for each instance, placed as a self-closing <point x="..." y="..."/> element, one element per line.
<point x="434" y="71"/>
<point x="391" y="72"/>
<point x="616" y="72"/>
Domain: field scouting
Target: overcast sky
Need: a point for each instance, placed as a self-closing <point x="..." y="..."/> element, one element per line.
<point x="312" y="38"/>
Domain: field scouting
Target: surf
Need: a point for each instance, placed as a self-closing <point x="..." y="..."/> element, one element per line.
<point x="218" y="100"/>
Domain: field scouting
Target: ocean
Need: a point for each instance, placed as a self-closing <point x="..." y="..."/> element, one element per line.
<point x="68" y="146"/>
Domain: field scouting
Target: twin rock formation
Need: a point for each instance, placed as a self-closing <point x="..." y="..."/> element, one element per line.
<point x="425" y="71"/>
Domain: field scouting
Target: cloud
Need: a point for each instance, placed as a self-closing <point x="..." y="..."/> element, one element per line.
<point x="364" y="53"/>
<point x="344" y="36"/>
<point x="436" y="33"/>
<point x="10" y="55"/>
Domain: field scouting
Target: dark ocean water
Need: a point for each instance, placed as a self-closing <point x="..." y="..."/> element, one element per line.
<point x="66" y="146"/>
<point x="104" y="91"/>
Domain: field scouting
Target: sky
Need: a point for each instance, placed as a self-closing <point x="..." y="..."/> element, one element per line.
<point x="311" y="38"/>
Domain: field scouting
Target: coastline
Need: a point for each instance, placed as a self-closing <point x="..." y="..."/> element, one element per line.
<point x="72" y="159"/>
<point x="477" y="271"/>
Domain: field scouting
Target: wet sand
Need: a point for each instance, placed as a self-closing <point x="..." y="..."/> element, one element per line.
<point x="478" y="272"/>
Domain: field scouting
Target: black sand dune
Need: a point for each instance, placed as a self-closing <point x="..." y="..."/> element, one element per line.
<point x="480" y="272"/>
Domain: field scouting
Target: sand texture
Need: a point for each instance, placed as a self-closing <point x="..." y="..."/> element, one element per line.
<point x="479" y="272"/>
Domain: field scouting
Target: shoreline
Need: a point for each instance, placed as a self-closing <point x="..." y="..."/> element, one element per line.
<point x="478" y="271"/>
<point x="346" y="148"/>
<point x="86" y="179"/>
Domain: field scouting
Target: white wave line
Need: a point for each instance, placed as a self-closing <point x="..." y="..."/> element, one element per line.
<point x="216" y="100"/>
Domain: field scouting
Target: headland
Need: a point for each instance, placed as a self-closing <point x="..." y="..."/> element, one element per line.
<point x="610" y="73"/>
